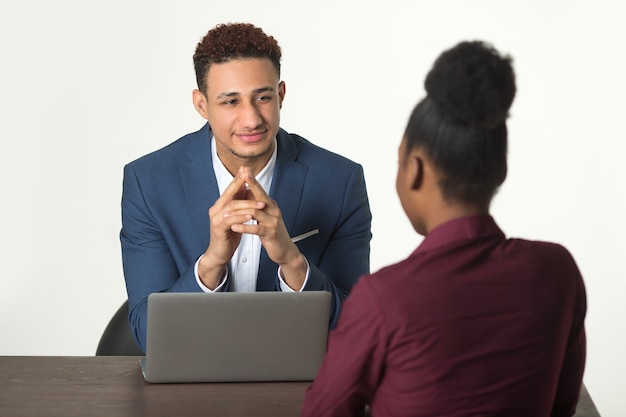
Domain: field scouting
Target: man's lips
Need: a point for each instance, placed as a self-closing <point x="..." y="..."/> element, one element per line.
<point x="251" y="137"/>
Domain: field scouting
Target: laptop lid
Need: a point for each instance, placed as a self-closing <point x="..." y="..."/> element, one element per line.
<point x="228" y="337"/>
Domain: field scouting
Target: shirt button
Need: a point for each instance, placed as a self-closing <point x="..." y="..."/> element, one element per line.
<point x="244" y="260"/>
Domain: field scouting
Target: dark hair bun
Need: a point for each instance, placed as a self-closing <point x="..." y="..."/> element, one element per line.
<point x="472" y="85"/>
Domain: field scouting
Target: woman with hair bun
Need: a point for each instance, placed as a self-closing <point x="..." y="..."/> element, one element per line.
<point x="472" y="323"/>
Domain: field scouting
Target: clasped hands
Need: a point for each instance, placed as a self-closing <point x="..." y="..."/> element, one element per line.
<point x="243" y="200"/>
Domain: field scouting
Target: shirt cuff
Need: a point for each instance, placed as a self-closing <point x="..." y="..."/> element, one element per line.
<point x="286" y="288"/>
<point x="205" y="288"/>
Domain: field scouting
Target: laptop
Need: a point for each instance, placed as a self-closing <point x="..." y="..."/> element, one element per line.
<point x="235" y="337"/>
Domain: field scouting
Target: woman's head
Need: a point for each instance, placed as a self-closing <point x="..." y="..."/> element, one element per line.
<point x="461" y="124"/>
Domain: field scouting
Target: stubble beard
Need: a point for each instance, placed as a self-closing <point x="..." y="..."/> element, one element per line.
<point x="266" y="151"/>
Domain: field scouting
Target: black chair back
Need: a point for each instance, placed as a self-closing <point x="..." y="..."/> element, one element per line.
<point x="117" y="339"/>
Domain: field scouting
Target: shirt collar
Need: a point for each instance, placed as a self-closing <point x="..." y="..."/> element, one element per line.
<point x="224" y="178"/>
<point x="460" y="230"/>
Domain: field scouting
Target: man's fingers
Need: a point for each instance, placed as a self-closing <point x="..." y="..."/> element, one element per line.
<point x="236" y="189"/>
<point x="255" y="191"/>
<point x="241" y="206"/>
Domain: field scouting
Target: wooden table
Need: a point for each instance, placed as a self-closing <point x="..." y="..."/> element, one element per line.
<point x="113" y="386"/>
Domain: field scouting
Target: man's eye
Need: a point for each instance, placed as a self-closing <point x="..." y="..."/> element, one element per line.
<point x="229" y="102"/>
<point x="263" y="98"/>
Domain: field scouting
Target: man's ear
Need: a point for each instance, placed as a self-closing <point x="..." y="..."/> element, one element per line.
<point x="282" y="90"/>
<point x="200" y="103"/>
<point x="417" y="171"/>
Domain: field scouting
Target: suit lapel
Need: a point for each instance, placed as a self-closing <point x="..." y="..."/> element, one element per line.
<point x="198" y="178"/>
<point x="287" y="188"/>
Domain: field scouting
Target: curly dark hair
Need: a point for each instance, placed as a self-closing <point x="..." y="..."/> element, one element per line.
<point x="461" y="123"/>
<point x="232" y="41"/>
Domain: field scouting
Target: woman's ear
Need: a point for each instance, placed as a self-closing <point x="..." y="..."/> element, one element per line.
<point x="416" y="169"/>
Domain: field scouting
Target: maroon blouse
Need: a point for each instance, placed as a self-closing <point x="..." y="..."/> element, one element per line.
<point x="470" y="324"/>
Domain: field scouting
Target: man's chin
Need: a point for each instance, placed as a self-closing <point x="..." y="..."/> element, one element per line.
<point x="257" y="150"/>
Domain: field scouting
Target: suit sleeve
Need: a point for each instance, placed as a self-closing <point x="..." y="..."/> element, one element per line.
<point x="347" y="254"/>
<point x="354" y="362"/>
<point x="148" y="263"/>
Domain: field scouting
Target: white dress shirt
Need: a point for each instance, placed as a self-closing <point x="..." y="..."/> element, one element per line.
<point x="244" y="265"/>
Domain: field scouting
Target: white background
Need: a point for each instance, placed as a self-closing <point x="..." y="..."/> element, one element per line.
<point x="87" y="86"/>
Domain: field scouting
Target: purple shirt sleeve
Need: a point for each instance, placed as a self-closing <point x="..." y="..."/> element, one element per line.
<point x="352" y="368"/>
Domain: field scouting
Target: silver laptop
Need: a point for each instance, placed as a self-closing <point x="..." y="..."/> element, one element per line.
<point x="230" y="337"/>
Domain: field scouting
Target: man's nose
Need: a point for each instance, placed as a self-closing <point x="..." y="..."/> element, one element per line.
<point x="250" y="116"/>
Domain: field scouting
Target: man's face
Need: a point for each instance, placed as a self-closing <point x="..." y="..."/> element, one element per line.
<point x="242" y="105"/>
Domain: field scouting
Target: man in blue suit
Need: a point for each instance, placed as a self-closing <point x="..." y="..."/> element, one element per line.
<point x="241" y="205"/>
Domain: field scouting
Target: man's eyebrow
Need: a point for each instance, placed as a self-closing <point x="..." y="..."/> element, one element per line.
<point x="229" y="94"/>
<point x="264" y="90"/>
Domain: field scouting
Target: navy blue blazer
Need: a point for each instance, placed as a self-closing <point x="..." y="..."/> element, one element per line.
<point x="165" y="225"/>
